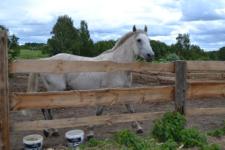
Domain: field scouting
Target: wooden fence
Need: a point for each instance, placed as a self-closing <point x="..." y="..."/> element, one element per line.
<point x="179" y="92"/>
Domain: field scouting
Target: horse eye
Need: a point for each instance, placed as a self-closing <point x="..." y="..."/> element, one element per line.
<point x="139" y="40"/>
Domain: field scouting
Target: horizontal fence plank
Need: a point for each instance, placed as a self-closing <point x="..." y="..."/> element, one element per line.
<point x="106" y="119"/>
<point x="205" y="111"/>
<point x="61" y="66"/>
<point x="207" y="75"/>
<point x="84" y="98"/>
<point x="200" y="66"/>
<point x="214" y="89"/>
<point x="84" y="121"/>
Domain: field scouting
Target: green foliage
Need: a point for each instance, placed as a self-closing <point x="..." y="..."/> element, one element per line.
<point x="172" y="57"/>
<point x="13" y="45"/>
<point x="101" y="46"/>
<point x="170" y="124"/>
<point x="221" y="53"/>
<point x="134" y="142"/>
<point x="14" y="49"/>
<point x="129" y="139"/>
<point x="160" y="49"/>
<point x="169" y="145"/>
<point x="31" y="54"/>
<point x="192" y="137"/>
<point x="211" y="147"/>
<point x="169" y="127"/>
<point x="217" y="132"/>
<point x="86" y="43"/>
<point x="65" y="37"/>
<point x="183" y="41"/>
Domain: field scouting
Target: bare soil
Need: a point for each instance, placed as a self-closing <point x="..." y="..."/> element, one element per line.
<point x="205" y="123"/>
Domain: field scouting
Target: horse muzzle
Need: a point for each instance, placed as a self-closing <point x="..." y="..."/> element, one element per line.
<point x="149" y="57"/>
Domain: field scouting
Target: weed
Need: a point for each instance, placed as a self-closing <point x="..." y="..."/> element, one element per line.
<point x="192" y="137"/>
<point x="169" y="127"/>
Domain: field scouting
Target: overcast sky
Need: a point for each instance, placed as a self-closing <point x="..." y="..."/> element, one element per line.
<point x="204" y="20"/>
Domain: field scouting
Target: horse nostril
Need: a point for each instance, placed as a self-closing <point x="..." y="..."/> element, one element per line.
<point x="149" y="55"/>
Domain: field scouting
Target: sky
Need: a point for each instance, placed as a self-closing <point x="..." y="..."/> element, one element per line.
<point x="204" y="20"/>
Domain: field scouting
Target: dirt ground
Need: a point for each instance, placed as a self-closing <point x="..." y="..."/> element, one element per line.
<point x="18" y="83"/>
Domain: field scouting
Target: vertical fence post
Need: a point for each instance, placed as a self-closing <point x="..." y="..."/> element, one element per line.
<point x="180" y="86"/>
<point x="4" y="92"/>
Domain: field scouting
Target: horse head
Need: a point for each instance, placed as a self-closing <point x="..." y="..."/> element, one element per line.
<point x="142" y="44"/>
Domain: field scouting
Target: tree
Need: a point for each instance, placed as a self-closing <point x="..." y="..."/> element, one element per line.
<point x="86" y="46"/>
<point x="221" y="53"/>
<point x="14" y="49"/>
<point x="13" y="45"/>
<point x="65" y="37"/>
<point x="160" y="49"/>
<point x="101" y="46"/>
<point x="183" y="41"/>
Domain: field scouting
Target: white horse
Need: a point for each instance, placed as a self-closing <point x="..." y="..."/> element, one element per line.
<point x="131" y="45"/>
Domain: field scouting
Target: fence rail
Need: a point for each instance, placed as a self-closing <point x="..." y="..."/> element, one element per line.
<point x="61" y="66"/>
<point x="106" y="119"/>
<point x="79" y="98"/>
<point x="182" y="90"/>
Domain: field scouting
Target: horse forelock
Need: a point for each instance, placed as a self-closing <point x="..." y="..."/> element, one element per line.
<point x="123" y="39"/>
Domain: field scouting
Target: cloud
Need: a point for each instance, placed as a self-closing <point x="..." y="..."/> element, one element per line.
<point x="32" y="21"/>
<point x="202" y="10"/>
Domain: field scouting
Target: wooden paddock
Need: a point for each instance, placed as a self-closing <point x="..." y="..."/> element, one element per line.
<point x="182" y="90"/>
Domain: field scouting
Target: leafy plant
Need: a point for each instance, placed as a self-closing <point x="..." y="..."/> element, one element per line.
<point x="169" y="127"/>
<point x="129" y="139"/>
<point x="192" y="137"/>
<point x="211" y="147"/>
<point x="169" y="145"/>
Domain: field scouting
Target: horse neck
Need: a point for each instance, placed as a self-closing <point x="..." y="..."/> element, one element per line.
<point x="125" y="52"/>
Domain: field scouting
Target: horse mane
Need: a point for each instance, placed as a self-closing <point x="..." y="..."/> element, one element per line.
<point x="122" y="40"/>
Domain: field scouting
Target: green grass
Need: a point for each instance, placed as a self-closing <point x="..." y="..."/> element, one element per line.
<point x="31" y="54"/>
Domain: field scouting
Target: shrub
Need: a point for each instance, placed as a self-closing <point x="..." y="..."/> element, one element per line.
<point x="192" y="137"/>
<point x="169" y="127"/>
<point x="172" y="57"/>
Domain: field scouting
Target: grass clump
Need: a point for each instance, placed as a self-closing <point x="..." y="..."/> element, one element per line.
<point x="169" y="127"/>
<point x="169" y="145"/>
<point x="131" y="140"/>
<point x="211" y="147"/>
<point x="217" y="132"/>
<point x="192" y="137"/>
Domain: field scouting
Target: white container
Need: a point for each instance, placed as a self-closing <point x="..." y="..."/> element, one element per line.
<point x="74" y="138"/>
<point x="33" y="142"/>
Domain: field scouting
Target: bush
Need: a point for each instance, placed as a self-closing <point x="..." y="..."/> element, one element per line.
<point x="172" y="57"/>
<point x="192" y="137"/>
<point x="169" y="127"/>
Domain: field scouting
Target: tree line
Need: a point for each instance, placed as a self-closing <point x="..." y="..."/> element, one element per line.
<point x="66" y="38"/>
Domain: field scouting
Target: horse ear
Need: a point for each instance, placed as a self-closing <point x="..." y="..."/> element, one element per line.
<point x="134" y="28"/>
<point x="146" y="29"/>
